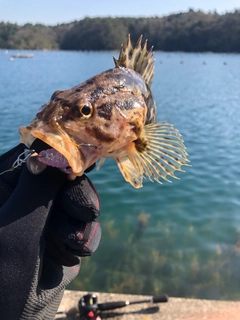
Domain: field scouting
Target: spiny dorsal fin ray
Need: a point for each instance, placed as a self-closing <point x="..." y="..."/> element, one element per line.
<point x="138" y="58"/>
<point x="164" y="154"/>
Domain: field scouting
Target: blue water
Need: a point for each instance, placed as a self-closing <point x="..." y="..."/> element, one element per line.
<point x="181" y="238"/>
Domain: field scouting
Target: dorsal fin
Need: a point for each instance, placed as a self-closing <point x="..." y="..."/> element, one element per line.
<point x="139" y="59"/>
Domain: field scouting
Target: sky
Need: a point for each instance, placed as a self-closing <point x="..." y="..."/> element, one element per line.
<point x="52" y="12"/>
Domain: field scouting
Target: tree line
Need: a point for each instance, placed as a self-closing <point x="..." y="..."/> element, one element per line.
<point x="192" y="31"/>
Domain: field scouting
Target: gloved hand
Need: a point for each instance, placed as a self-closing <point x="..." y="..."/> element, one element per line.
<point x="46" y="224"/>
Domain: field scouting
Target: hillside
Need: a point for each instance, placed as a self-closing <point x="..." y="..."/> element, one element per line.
<point x="192" y="31"/>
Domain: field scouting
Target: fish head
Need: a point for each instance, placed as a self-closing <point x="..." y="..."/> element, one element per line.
<point x="88" y="121"/>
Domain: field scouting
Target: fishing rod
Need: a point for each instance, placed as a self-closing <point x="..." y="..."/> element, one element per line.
<point x="90" y="309"/>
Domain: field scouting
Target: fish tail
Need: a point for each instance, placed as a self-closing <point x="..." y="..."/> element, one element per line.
<point x="138" y="58"/>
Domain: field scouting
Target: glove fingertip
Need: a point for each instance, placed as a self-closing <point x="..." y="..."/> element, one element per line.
<point x="85" y="240"/>
<point x="80" y="199"/>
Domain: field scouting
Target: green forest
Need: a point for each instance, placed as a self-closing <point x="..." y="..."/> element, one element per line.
<point x="192" y="31"/>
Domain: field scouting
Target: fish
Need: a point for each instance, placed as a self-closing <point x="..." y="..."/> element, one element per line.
<point x="111" y="115"/>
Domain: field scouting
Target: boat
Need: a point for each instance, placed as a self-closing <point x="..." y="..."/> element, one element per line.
<point x="24" y="56"/>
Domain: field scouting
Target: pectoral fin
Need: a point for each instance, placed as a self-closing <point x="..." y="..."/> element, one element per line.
<point x="159" y="152"/>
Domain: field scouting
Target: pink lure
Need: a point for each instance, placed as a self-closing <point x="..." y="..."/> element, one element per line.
<point x="53" y="158"/>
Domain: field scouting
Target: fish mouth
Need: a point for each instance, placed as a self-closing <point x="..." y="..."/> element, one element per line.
<point x="61" y="142"/>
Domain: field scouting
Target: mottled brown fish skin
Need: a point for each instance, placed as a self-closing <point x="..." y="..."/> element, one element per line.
<point x="118" y="89"/>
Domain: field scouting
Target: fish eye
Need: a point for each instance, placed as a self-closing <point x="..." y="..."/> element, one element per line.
<point x="82" y="110"/>
<point x="86" y="110"/>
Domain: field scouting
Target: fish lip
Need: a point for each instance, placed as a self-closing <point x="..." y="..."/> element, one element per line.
<point x="59" y="141"/>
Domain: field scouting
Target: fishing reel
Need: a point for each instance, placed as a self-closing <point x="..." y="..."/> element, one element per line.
<point x="88" y="307"/>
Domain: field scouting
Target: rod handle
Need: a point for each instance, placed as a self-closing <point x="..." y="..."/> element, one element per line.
<point x="162" y="298"/>
<point x="112" y="305"/>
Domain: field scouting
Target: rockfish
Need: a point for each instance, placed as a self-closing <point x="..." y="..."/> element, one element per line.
<point x="111" y="115"/>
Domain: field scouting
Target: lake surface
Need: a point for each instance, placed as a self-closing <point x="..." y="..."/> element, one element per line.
<point x="180" y="238"/>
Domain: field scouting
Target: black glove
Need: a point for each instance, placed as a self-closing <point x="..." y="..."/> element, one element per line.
<point x="46" y="224"/>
